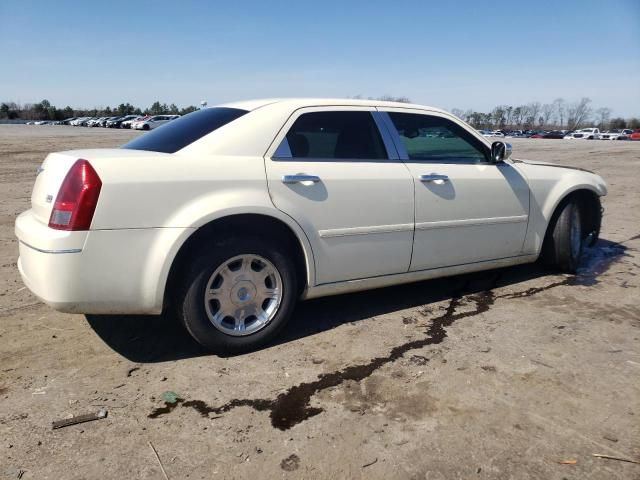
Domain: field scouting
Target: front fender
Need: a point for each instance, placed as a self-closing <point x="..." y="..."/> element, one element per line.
<point x="549" y="185"/>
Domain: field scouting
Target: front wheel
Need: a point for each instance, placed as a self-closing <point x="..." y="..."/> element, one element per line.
<point x="238" y="294"/>
<point x="565" y="239"/>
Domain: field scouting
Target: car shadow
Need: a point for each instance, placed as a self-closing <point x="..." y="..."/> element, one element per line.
<point x="149" y="339"/>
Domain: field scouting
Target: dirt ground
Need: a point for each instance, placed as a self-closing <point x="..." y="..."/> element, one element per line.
<point x="503" y="374"/>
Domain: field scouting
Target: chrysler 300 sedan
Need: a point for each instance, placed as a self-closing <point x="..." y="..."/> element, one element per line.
<point x="231" y="214"/>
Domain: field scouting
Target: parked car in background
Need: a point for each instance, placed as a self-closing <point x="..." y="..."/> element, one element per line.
<point x="491" y="133"/>
<point x="539" y="134"/>
<point x="94" y="122"/>
<point x="231" y="214"/>
<point x="103" y="121"/>
<point x="153" y="122"/>
<point x="128" y="123"/>
<point x="115" y="123"/>
<point x="555" y="134"/>
<point x="616" y="134"/>
<point x="76" y="122"/>
<point x="110" y="120"/>
<point x="635" y="135"/>
<point x="584" y="134"/>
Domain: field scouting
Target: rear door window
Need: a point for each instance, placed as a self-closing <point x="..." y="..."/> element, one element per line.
<point x="183" y="131"/>
<point x="340" y="135"/>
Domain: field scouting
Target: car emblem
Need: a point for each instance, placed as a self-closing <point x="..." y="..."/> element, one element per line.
<point x="49" y="198"/>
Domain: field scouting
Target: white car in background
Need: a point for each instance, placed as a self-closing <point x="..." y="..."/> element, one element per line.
<point x="584" y="134"/>
<point x="231" y="214"/>
<point x="94" y="122"/>
<point x="78" y="121"/>
<point x="129" y="123"/>
<point x="153" y="122"/>
<point x="615" y="134"/>
<point x="491" y="133"/>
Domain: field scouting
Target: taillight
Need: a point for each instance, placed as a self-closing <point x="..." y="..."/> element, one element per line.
<point x="77" y="199"/>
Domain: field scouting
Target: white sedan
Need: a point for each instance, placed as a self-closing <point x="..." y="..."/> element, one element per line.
<point x="231" y="214"/>
<point x="616" y="134"/>
<point x="153" y="122"/>
<point x="584" y="134"/>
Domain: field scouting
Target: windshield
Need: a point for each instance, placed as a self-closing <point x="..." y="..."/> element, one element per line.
<point x="177" y="134"/>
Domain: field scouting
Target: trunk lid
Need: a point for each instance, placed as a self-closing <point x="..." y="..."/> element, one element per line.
<point x="55" y="167"/>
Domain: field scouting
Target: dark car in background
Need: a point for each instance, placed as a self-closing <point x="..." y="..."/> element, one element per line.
<point x="555" y="134"/>
<point x="117" y="122"/>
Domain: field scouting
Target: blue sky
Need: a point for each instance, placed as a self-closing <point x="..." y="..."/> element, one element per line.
<point x="464" y="54"/>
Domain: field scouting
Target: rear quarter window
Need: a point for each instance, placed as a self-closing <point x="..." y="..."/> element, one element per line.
<point x="183" y="131"/>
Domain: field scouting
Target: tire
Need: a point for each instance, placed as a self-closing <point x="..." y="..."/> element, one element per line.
<point x="145" y="127"/>
<point x="213" y="269"/>
<point x="565" y="239"/>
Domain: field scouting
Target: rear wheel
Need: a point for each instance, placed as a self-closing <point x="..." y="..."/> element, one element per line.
<point x="565" y="239"/>
<point x="238" y="294"/>
<point x="145" y="127"/>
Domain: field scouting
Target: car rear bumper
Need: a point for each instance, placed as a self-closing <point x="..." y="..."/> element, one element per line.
<point x="108" y="272"/>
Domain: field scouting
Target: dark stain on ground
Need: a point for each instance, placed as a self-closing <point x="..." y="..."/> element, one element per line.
<point x="168" y="408"/>
<point x="418" y="360"/>
<point x="291" y="463"/>
<point x="131" y="370"/>
<point x="293" y="406"/>
<point x="3" y="390"/>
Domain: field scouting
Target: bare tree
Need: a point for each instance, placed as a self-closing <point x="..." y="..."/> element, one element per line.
<point x="391" y="98"/>
<point x="533" y="109"/>
<point x="560" y="109"/>
<point x="508" y="114"/>
<point x="603" y="116"/>
<point x="458" y="112"/>
<point x="578" y="113"/>
<point x="547" y="110"/>
<point x="498" y="117"/>
<point x="520" y="115"/>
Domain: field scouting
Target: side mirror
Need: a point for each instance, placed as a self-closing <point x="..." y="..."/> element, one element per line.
<point x="500" y="151"/>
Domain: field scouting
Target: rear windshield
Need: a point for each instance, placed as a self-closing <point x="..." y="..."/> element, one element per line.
<point x="177" y="134"/>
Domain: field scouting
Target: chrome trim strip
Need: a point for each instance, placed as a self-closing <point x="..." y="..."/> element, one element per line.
<point x="70" y="250"/>
<point x="471" y="222"/>
<point x="347" y="232"/>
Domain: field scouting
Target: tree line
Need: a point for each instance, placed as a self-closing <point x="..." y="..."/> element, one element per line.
<point x="558" y="114"/>
<point x="44" y="110"/>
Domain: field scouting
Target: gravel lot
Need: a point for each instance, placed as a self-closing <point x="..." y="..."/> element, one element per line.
<point x="503" y="374"/>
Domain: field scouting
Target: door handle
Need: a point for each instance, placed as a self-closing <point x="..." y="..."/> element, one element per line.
<point x="433" y="178"/>
<point x="300" y="178"/>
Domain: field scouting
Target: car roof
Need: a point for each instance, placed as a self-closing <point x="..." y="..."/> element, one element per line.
<point x="296" y="103"/>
